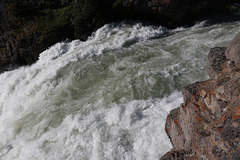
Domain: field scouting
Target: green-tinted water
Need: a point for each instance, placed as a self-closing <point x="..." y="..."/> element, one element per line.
<point x="106" y="98"/>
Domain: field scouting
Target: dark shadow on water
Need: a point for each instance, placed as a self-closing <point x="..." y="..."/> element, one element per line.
<point x="224" y="18"/>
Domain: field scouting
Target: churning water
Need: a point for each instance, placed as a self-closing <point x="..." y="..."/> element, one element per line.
<point x="106" y="98"/>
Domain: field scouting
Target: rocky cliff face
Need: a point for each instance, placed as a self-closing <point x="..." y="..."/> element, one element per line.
<point x="207" y="125"/>
<point x="28" y="27"/>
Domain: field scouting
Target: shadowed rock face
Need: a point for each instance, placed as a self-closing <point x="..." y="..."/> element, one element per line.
<point x="233" y="51"/>
<point x="215" y="61"/>
<point x="207" y="124"/>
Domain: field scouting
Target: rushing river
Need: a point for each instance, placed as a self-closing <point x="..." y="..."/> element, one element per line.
<point x="106" y="98"/>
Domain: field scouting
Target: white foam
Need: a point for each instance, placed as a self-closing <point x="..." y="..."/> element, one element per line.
<point x="42" y="118"/>
<point x="129" y="131"/>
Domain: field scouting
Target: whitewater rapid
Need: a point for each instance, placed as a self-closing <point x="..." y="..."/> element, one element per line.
<point x="106" y="98"/>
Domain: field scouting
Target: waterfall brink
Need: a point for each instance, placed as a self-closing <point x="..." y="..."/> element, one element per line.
<point x="106" y="98"/>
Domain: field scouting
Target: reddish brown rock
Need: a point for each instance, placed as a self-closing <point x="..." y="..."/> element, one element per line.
<point x="178" y="155"/>
<point x="176" y="133"/>
<point x="207" y="124"/>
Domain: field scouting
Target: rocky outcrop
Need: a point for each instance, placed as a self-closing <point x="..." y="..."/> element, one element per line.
<point x="207" y="125"/>
<point x="233" y="51"/>
<point x="28" y="27"/>
<point x="216" y="59"/>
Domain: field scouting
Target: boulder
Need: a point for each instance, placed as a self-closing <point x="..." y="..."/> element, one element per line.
<point x="215" y="61"/>
<point x="233" y="51"/>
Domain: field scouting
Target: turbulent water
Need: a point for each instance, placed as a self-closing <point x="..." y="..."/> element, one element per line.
<point x="106" y="98"/>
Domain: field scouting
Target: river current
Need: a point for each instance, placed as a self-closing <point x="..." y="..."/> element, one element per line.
<point x="106" y="98"/>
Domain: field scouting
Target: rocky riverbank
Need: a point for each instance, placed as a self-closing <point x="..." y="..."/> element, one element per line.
<point x="29" y="27"/>
<point x="207" y="125"/>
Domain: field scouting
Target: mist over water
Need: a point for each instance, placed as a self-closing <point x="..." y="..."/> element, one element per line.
<point x="106" y="98"/>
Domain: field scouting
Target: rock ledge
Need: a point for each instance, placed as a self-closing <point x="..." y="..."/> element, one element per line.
<point x="207" y="125"/>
